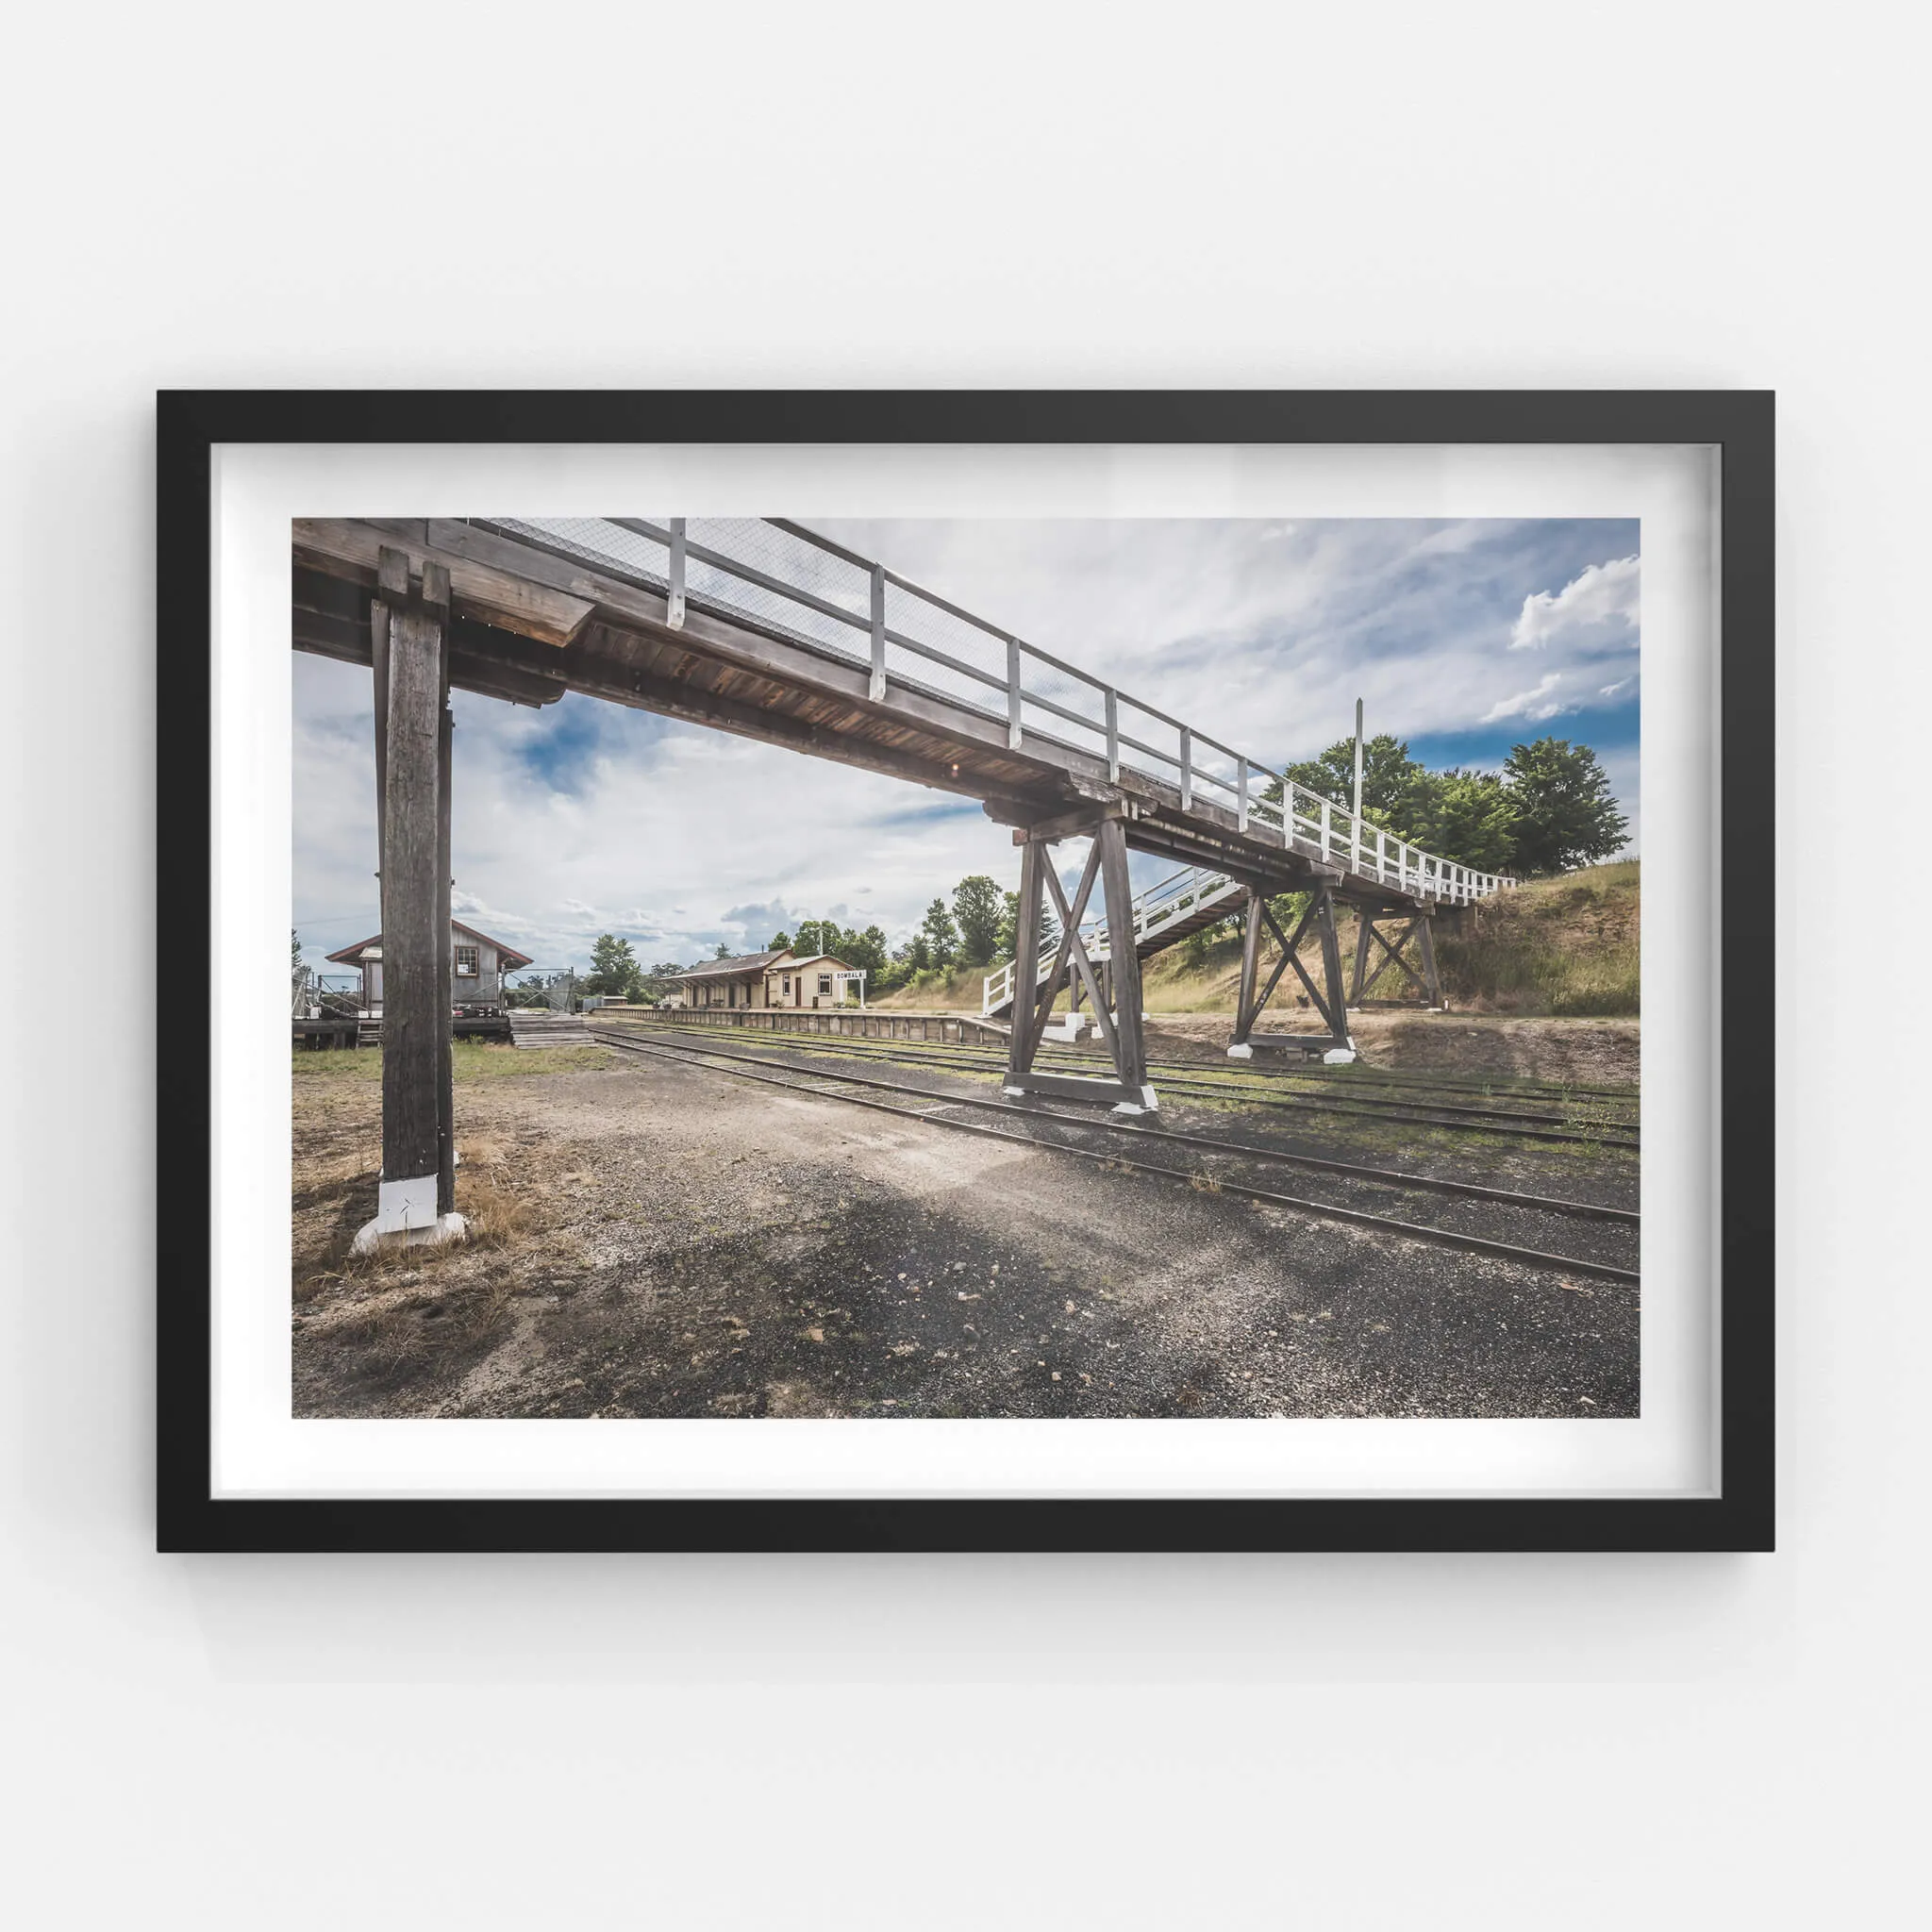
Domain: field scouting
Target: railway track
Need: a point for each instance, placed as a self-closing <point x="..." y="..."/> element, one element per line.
<point x="1511" y="1123"/>
<point x="1058" y="1132"/>
<point x="1309" y="1073"/>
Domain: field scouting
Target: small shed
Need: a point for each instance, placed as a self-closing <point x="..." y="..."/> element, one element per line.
<point x="476" y="966"/>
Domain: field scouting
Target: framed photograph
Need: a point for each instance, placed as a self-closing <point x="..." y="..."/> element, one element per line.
<point x="1051" y="970"/>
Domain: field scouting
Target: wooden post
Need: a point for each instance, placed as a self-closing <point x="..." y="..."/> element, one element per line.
<point x="1124" y="965"/>
<point x="415" y="931"/>
<point x="435" y="597"/>
<point x="1025" y="963"/>
<point x="392" y="593"/>
<point x="1251" y="965"/>
<point x="1331" y="958"/>
<point x="1434" y="985"/>
<point x="1363" y="921"/>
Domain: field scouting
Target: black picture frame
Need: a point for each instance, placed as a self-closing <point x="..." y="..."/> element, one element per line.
<point x="192" y="424"/>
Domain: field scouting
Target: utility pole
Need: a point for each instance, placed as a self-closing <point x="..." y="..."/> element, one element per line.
<point x="1354" y="833"/>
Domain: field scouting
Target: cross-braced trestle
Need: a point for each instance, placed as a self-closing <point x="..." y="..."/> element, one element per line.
<point x="1112" y="986"/>
<point x="1319" y="916"/>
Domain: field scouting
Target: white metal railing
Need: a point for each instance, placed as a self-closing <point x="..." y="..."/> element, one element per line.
<point x="1159" y="907"/>
<point x="789" y="578"/>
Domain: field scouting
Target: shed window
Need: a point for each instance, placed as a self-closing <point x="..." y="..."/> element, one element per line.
<point x="825" y="982"/>
<point x="466" y="962"/>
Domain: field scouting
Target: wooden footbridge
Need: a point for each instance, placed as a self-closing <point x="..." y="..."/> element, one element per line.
<point x="767" y="629"/>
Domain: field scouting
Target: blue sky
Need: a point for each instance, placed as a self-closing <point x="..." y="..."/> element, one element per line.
<point x="1465" y="637"/>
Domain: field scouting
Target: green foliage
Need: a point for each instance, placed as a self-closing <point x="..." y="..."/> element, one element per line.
<point x="1469" y="817"/>
<point x="977" y="906"/>
<point x="941" y="937"/>
<point x="866" y="950"/>
<point x="781" y="942"/>
<point x="720" y="951"/>
<point x="1390" y="778"/>
<point x="1008" y="943"/>
<point x="1566" y="814"/>
<point x="1549" y="809"/>
<point x="614" y="970"/>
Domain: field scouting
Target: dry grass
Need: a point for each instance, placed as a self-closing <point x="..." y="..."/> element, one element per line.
<point x="1567" y="946"/>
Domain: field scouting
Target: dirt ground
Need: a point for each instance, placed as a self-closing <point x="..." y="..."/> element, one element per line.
<point x="654" y="1240"/>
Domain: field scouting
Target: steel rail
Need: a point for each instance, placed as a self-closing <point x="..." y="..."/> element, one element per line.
<point x="1381" y="1176"/>
<point x="1258" y="1071"/>
<point x="1413" y="1113"/>
<point x="1529" y="1258"/>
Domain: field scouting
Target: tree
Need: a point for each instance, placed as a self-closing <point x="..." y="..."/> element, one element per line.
<point x="942" y="936"/>
<point x="1390" y="778"/>
<point x="977" y="906"/>
<point x="720" y="951"/>
<point x="1566" y="814"/>
<point x="917" y="954"/>
<point x="865" y="950"/>
<point x="613" y="968"/>
<point x="1009" y="942"/>
<point x="1467" y="817"/>
<point x="666" y="969"/>
<point x="781" y="942"/>
<point x="295" y="951"/>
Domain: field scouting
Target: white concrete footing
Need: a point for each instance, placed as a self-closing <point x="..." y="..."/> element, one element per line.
<point x="1340" y="1055"/>
<point x="406" y="1216"/>
<point x="445" y="1227"/>
<point x="1242" y="1052"/>
<point x="1149" y="1102"/>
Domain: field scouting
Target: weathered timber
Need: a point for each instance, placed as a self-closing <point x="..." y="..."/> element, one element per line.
<point x="1084" y="1087"/>
<point x="415" y="900"/>
<point x="436" y="598"/>
<point x="1025" y="965"/>
<point x="1124" y="963"/>
<point x="506" y="598"/>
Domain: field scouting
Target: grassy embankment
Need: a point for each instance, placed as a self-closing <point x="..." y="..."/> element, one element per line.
<point x="1566" y="947"/>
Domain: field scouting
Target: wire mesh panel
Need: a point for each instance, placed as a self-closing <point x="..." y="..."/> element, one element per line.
<point x="600" y="543"/>
<point x="762" y="550"/>
<point x="946" y="656"/>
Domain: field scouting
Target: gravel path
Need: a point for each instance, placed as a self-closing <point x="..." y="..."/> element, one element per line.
<point x="673" y="1242"/>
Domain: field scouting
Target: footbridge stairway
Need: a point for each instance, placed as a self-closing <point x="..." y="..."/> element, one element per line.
<point x="768" y="629"/>
<point x="1183" y="904"/>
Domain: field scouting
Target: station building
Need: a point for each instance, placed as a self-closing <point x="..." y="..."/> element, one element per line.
<point x="772" y="982"/>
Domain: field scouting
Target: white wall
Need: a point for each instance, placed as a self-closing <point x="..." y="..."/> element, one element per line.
<point x="1470" y="194"/>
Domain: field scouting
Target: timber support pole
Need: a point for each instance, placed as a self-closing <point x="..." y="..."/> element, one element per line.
<point x="1112" y="986"/>
<point x="416" y="1194"/>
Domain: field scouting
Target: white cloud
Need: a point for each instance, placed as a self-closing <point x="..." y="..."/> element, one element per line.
<point x="1610" y="690"/>
<point x="1600" y="604"/>
<point x="1528" y="705"/>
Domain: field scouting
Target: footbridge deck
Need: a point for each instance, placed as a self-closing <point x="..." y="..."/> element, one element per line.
<point x="764" y="628"/>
